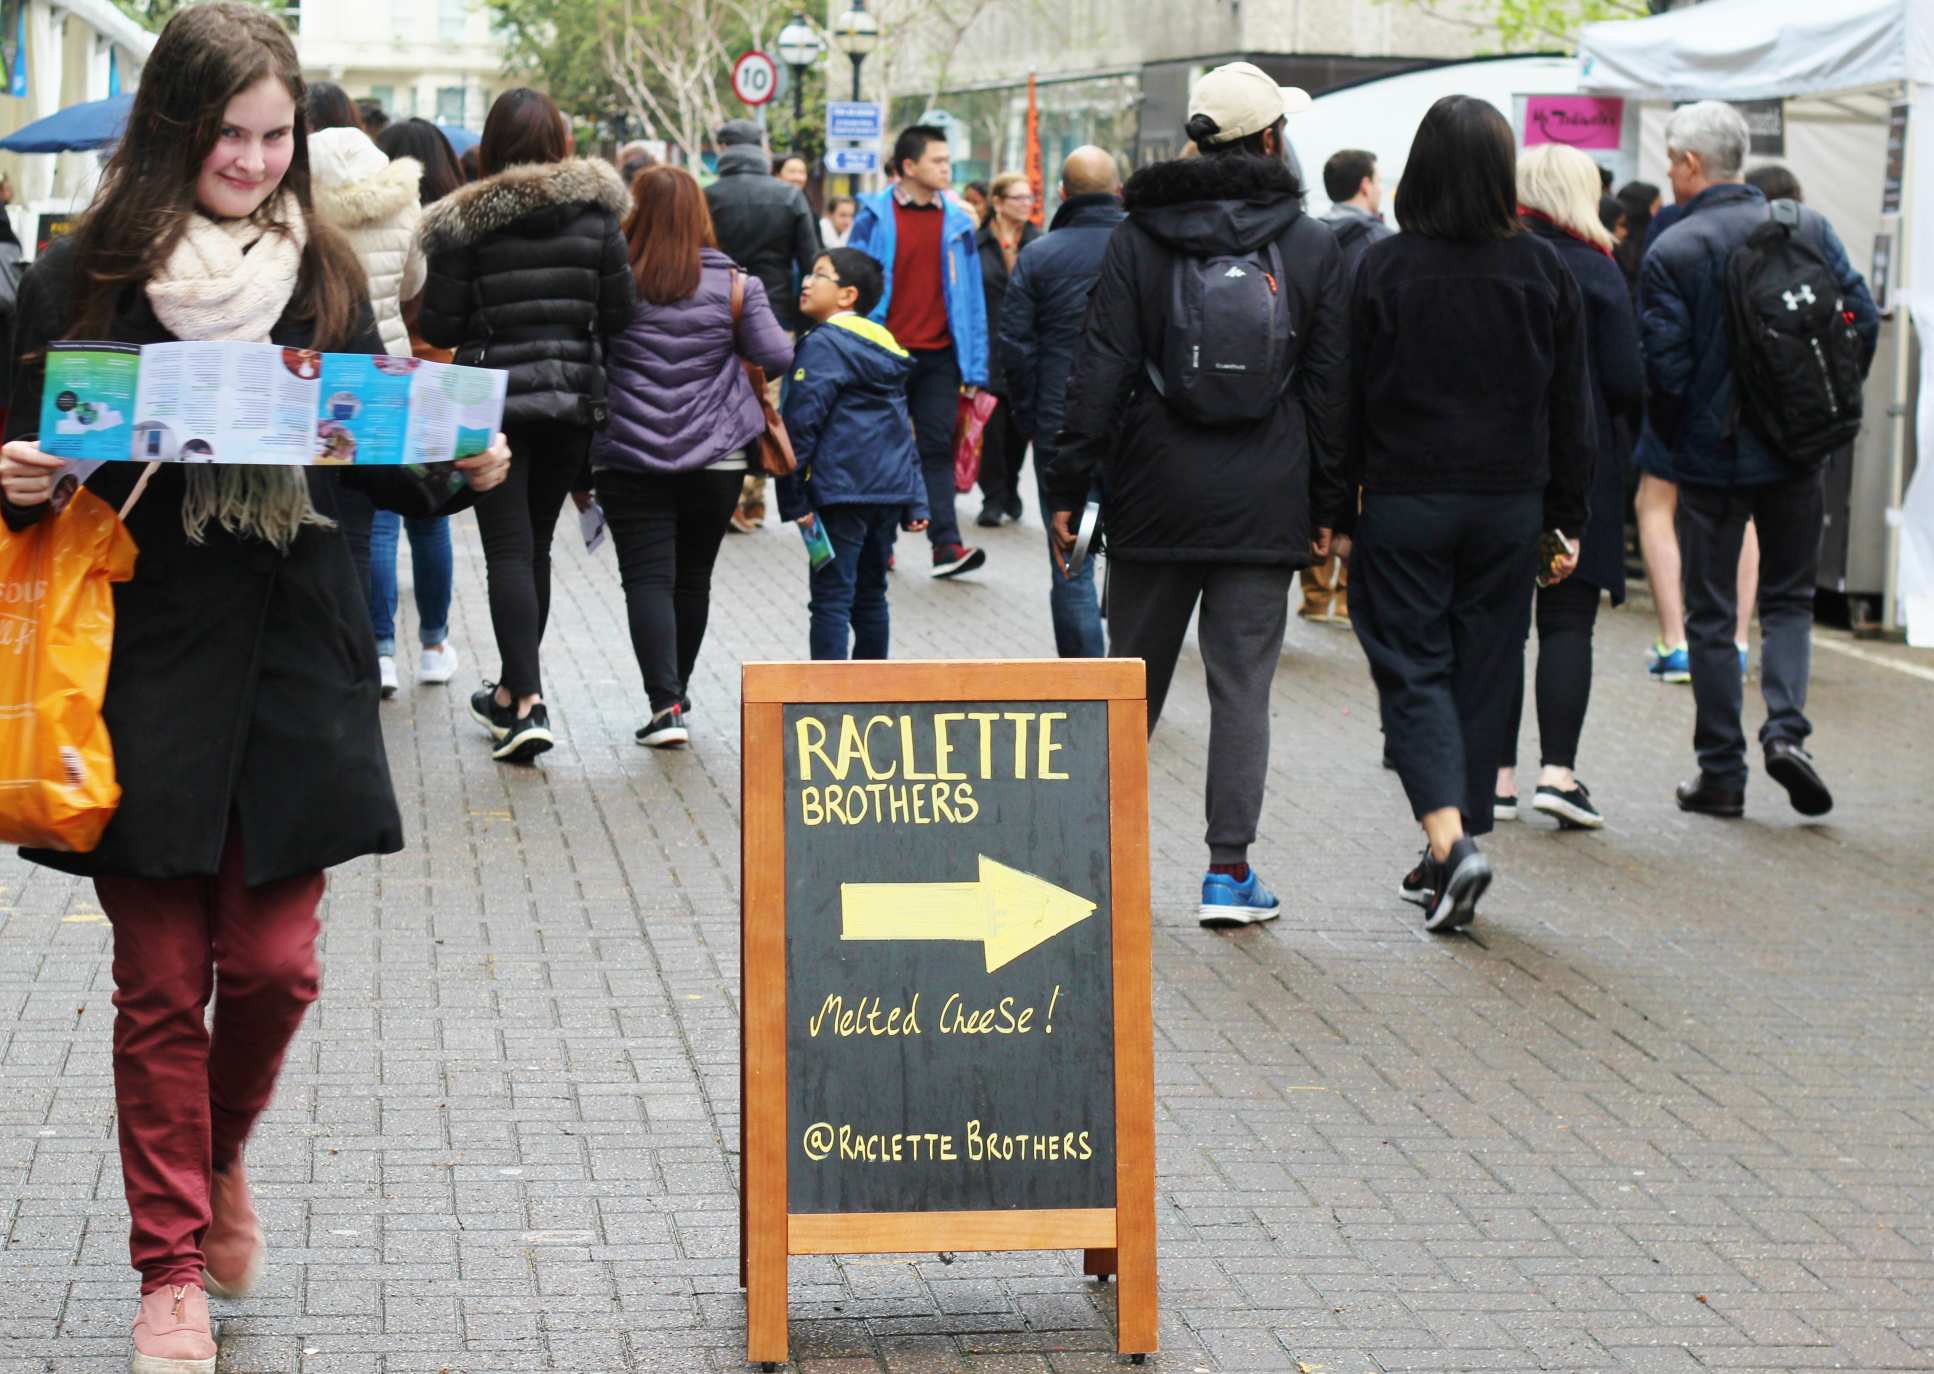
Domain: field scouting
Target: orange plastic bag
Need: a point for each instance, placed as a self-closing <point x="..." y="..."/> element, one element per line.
<point x="57" y="785"/>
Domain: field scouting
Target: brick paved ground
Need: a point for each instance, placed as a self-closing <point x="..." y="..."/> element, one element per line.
<point x="1672" y="1108"/>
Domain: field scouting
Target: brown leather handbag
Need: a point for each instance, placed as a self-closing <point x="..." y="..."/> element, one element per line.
<point x="771" y="452"/>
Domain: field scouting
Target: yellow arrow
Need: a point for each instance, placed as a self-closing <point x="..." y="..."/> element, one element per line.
<point x="1009" y="911"/>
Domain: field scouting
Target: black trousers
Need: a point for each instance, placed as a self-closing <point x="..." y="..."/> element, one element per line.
<point x="1003" y="453"/>
<point x="933" y="400"/>
<point x="356" y="518"/>
<point x="516" y="522"/>
<point x="1566" y="614"/>
<point x="667" y="529"/>
<point x="1712" y="525"/>
<point x="1440" y="597"/>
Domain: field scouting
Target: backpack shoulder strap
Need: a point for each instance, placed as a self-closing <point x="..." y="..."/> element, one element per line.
<point x="1785" y="213"/>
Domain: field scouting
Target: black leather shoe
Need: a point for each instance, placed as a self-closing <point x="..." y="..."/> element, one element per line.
<point x="1707" y="798"/>
<point x="989" y="517"/>
<point x="1792" y="768"/>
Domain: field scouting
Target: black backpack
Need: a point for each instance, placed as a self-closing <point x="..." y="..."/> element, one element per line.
<point x="1226" y="358"/>
<point x="1796" y="356"/>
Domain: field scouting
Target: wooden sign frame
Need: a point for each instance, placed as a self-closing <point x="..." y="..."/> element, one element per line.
<point x="1118" y="1240"/>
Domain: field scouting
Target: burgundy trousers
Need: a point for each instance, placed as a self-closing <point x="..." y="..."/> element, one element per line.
<point x="185" y="1099"/>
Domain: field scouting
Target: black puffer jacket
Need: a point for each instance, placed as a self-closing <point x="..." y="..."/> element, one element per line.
<point x="993" y="285"/>
<point x="528" y="273"/>
<point x="1177" y="490"/>
<point x="765" y="226"/>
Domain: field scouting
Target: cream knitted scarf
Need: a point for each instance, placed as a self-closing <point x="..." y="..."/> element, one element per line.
<point x="232" y="279"/>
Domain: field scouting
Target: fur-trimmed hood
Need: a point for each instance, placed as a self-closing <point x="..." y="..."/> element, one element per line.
<point x="483" y="207"/>
<point x="1215" y="203"/>
<point x="355" y="184"/>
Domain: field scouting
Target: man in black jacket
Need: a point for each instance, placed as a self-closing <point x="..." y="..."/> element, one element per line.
<point x="766" y="227"/>
<point x="1198" y="510"/>
<point x="1039" y="325"/>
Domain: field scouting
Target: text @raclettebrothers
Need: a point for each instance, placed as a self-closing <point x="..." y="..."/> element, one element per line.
<point x="974" y="1142"/>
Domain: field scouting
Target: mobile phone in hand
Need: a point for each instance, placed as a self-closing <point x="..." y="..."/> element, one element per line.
<point x="1553" y="550"/>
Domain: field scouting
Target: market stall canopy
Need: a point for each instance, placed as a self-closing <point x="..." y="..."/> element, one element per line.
<point x="461" y="139"/>
<point x="74" y="129"/>
<point x="1755" y="50"/>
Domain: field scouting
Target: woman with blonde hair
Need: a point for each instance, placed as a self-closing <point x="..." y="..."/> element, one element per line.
<point x="1558" y="202"/>
<point x="1009" y="229"/>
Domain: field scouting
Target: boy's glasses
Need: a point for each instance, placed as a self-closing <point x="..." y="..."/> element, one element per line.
<point x="826" y="277"/>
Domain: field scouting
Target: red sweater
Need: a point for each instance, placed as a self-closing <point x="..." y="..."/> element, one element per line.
<point x="917" y="314"/>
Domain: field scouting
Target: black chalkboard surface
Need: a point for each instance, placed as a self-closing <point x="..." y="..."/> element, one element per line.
<point x="949" y="991"/>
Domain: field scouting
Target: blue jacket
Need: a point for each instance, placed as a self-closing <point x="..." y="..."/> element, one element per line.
<point x="1690" y="432"/>
<point x="874" y="234"/>
<point x="845" y="407"/>
<point x="1047" y="298"/>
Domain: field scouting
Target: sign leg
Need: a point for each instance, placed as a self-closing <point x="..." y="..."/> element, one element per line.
<point x="1099" y="1264"/>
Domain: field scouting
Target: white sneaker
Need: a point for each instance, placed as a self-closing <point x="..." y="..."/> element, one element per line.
<point x="437" y="665"/>
<point x="386" y="674"/>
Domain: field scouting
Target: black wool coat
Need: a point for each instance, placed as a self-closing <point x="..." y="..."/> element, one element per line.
<point x="243" y="681"/>
<point x="1175" y="490"/>
<point x="993" y="285"/>
<point x="765" y="226"/>
<point x="528" y="273"/>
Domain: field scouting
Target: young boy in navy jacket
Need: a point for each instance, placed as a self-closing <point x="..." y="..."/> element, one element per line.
<point x="845" y="407"/>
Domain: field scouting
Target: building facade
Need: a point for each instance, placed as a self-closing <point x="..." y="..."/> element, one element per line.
<point x="1117" y="73"/>
<point x="434" y="59"/>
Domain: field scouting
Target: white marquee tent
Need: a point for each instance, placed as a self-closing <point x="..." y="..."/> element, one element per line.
<point x="1840" y="66"/>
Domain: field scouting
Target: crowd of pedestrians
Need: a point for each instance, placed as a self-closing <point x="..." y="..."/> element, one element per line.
<point x="1249" y="395"/>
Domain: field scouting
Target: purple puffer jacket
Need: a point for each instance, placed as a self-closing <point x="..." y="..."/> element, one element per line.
<point x="678" y="397"/>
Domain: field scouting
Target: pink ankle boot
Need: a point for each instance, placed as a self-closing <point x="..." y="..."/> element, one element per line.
<point x="172" y="1333"/>
<point x="234" y="1248"/>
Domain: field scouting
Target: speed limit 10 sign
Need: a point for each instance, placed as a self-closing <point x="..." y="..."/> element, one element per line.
<point x="755" y="78"/>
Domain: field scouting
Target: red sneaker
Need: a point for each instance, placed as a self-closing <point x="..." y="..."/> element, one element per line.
<point x="234" y="1248"/>
<point x="172" y="1333"/>
<point x="955" y="559"/>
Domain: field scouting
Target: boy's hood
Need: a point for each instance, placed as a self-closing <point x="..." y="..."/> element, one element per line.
<point x="869" y="349"/>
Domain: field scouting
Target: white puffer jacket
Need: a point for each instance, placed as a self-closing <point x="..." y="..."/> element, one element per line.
<point x="373" y="201"/>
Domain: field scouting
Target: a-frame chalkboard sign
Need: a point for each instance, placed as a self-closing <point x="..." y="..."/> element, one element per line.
<point x="946" y="1014"/>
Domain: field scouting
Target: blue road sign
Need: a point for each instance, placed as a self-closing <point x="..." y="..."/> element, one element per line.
<point x="853" y="161"/>
<point x="859" y="120"/>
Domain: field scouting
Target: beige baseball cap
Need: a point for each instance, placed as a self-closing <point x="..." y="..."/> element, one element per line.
<point x="1243" y="99"/>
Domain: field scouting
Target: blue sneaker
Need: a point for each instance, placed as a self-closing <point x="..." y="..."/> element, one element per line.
<point x="1669" y="665"/>
<point x="1226" y="902"/>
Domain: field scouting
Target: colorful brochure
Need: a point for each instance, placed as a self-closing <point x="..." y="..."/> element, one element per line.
<point x="231" y="402"/>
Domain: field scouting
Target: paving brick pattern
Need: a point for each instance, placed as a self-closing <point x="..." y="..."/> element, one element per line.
<point x="1671" y="1108"/>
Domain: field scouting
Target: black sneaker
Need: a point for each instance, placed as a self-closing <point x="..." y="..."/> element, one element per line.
<point x="487" y="713"/>
<point x="1460" y="880"/>
<point x="955" y="559"/>
<point x="1792" y="768"/>
<point x="1416" y="887"/>
<point x="665" y="730"/>
<point x="989" y="517"/>
<point x="1573" y="809"/>
<point x="1014" y="506"/>
<point x="1504" y="808"/>
<point x="527" y="737"/>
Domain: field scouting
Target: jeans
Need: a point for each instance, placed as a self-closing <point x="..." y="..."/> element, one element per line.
<point x="1245" y="607"/>
<point x="185" y="1099"/>
<point x="1072" y="602"/>
<point x="1566" y="613"/>
<point x="667" y="529"/>
<point x="933" y="400"/>
<point x="1712" y="524"/>
<point x="849" y="593"/>
<point x="516" y="522"/>
<point x="1440" y="598"/>
<point x="430" y="561"/>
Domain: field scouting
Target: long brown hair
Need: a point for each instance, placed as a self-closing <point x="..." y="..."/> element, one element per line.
<point x="206" y="56"/>
<point x="669" y="223"/>
<point x="523" y="126"/>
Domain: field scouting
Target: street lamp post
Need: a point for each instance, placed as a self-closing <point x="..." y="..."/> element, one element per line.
<point x="856" y="32"/>
<point x="799" y="48"/>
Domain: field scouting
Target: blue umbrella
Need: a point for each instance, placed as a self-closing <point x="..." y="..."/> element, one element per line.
<point x="74" y="129"/>
<point x="461" y="139"/>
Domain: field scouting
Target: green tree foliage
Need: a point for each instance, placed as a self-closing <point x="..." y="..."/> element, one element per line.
<point x="557" y="44"/>
<point x="1531" y="25"/>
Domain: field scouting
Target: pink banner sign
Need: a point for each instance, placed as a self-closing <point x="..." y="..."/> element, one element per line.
<point x="1578" y="121"/>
